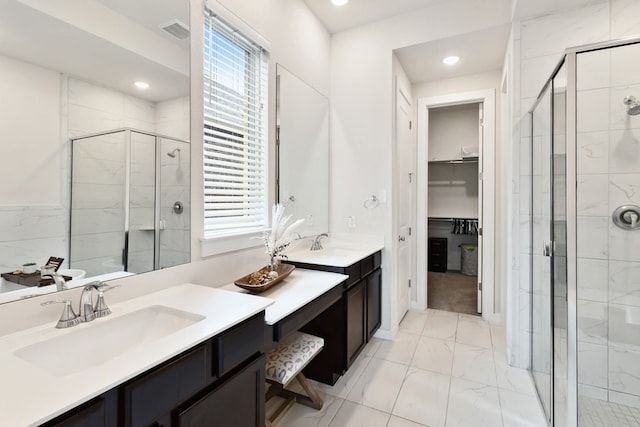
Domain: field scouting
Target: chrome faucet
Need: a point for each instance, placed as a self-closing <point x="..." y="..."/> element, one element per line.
<point x="50" y="271"/>
<point x="317" y="244"/>
<point x="86" y="310"/>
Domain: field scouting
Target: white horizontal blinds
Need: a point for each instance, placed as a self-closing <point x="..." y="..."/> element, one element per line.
<point x="235" y="137"/>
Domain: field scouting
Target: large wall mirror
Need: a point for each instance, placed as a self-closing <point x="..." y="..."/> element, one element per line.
<point x="94" y="128"/>
<point x="302" y="115"/>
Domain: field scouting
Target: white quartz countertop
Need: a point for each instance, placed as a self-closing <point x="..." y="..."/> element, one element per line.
<point x="335" y="253"/>
<point x="300" y="288"/>
<point x="31" y="395"/>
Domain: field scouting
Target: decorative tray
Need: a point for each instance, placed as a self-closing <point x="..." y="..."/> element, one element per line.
<point x="259" y="281"/>
<point x="33" y="279"/>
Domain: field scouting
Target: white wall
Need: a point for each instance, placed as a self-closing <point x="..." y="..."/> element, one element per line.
<point x="30" y="124"/>
<point x="362" y="111"/>
<point x="468" y="83"/>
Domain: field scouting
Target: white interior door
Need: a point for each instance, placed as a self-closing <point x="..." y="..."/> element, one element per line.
<point x="480" y="218"/>
<point x="404" y="158"/>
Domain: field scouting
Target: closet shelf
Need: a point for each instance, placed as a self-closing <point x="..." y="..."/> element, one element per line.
<point x="454" y="161"/>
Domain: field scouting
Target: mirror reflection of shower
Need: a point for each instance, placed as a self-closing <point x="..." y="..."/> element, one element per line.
<point x="633" y="105"/>
<point x="123" y="189"/>
<point x="179" y="172"/>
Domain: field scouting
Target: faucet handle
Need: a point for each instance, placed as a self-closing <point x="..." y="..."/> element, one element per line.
<point x="101" y="309"/>
<point x="68" y="317"/>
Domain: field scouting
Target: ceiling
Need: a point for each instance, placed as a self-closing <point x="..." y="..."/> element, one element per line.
<point x="480" y="52"/>
<point x="361" y="12"/>
<point x="53" y="36"/>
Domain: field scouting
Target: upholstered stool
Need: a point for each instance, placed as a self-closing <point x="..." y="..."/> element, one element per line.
<point x="286" y="362"/>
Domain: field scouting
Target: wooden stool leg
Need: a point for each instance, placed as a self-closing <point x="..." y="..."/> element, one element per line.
<point x="280" y="411"/>
<point x="314" y="400"/>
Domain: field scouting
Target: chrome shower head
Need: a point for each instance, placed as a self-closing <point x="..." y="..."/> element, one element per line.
<point x="173" y="153"/>
<point x="633" y="105"/>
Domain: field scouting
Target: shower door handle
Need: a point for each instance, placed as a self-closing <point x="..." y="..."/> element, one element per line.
<point x="547" y="250"/>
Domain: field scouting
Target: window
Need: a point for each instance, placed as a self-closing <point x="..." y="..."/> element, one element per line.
<point x="235" y="134"/>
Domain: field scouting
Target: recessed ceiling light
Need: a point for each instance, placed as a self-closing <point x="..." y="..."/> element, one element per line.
<point x="339" y="2"/>
<point x="450" y="60"/>
<point x="141" y="85"/>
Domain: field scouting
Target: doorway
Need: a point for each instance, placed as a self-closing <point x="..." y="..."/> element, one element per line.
<point x="454" y="208"/>
<point x="456" y="200"/>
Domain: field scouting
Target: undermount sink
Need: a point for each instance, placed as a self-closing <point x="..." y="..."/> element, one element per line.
<point x="104" y="339"/>
<point x="337" y="252"/>
<point x="74" y="273"/>
<point x="335" y="256"/>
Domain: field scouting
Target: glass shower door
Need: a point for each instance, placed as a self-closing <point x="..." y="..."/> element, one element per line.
<point x="541" y="279"/>
<point x="174" y="235"/>
<point x="608" y="236"/>
<point x="140" y="217"/>
<point x="98" y="191"/>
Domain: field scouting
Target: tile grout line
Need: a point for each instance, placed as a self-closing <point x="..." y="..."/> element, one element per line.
<point x="495" y="369"/>
<point x="407" y="371"/>
<point x="455" y="346"/>
<point x="348" y="390"/>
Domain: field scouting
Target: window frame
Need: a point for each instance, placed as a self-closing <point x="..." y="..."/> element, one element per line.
<point x="233" y="239"/>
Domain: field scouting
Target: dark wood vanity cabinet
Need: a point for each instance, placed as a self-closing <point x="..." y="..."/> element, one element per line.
<point x="98" y="412"/>
<point x="348" y="324"/>
<point x="217" y="383"/>
<point x="238" y="402"/>
<point x="374" y="302"/>
<point x="356" y="305"/>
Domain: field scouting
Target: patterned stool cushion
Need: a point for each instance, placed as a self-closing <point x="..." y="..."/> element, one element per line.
<point x="291" y="355"/>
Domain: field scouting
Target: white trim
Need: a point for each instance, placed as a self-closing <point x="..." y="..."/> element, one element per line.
<point x="572" y="243"/>
<point x="237" y="22"/>
<point x="487" y="97"/>
<point x="384" y="334"/>
<point x="210" y="246"/>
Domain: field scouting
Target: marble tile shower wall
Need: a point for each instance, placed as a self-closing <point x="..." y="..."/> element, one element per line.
<point x="93" y="109"/>
<point x="608" y="167"/>
<point x="175" y="239"/>
<point x="538" y="45"/>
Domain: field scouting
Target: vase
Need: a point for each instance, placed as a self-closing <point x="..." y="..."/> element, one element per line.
<point x="273" y="263"/>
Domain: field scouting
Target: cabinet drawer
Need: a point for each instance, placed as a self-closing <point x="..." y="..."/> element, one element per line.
<point x="377" y="260"/>
<point x="366" y="266"/>
<point x="238" y="402"/>
<point x="91" y="414"/>
<point x="353" y="271"/>
<point x="238" y="344"/>
<point x="301" y="317"/>
<point x="437" y="243"/>
<point x="154" y="394"/>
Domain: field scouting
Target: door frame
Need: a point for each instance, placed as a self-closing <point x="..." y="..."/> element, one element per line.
<point x="490" y="307"/>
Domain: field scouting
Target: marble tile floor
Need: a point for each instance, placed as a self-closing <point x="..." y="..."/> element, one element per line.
<point x="442" y="369"/>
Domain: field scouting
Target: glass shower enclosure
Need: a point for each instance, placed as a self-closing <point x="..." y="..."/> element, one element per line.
<point x="130" y="202"/>
<point x="585" y="243"/>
